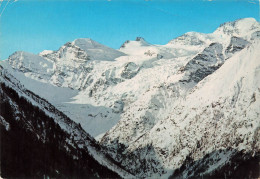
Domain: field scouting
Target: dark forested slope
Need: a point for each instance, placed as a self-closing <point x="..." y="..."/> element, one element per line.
<point x="33" y="145"/>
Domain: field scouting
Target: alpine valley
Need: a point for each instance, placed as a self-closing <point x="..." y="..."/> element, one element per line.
<point x="187" y="109"/>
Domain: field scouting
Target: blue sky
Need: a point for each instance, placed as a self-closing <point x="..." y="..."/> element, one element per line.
<point x="33" y="25"/>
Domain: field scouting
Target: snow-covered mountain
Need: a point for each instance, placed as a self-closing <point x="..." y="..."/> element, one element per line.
<point x="190" y="107"/>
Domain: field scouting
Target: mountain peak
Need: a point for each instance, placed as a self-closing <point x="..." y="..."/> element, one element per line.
<point x="139" y="39"/>
<point x="96" y="50"/>
<point x="86" y="43"/>
<point x="27" y="62"/>
<point x="248" y="21"/>
<point x="22" y="55"/>
<point x="240" y="27"/>
<point x="190" y="38"/>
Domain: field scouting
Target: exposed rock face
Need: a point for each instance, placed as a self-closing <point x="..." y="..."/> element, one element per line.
<point x="236" y="44"/>
<point x="130" y="70"/>
<point x="205" y="63"/>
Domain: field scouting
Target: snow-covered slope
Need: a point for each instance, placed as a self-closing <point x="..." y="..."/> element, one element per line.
<point x="156" y="105"/>
<point x="221" y="112"/>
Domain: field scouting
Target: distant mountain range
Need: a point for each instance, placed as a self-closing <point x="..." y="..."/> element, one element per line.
<point x="187" y="109"/>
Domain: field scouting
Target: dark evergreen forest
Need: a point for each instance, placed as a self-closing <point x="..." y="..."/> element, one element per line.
<point x="35" y="146"/>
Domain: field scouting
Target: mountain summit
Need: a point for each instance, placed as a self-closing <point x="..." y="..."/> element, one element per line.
<point x="84" y="48"/>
